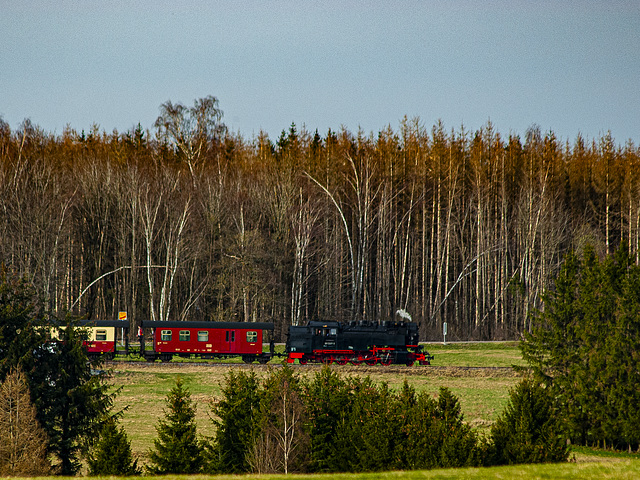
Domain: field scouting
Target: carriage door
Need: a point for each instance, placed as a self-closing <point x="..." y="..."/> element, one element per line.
<point x="230" y="340"/>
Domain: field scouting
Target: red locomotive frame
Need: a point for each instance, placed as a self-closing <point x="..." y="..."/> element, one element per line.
<point x="381" y="355"/>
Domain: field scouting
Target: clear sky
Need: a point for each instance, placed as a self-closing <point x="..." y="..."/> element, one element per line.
<point x="567" y="66"/>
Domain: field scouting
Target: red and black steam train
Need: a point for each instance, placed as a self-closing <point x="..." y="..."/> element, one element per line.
<point x="391" y="342"/>
<point x="356" y="342"/>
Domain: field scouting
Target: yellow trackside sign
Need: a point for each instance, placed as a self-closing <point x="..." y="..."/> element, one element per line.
<point x="122" y="315"/>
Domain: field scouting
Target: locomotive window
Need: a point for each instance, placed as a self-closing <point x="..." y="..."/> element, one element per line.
<point x="165" y="335"/>
<point x="185" y="335"/>
<point x="203" y="336"/>
<point x="334" y="331"/>
<point x="252" y="337"/>
<point x="101" y="335"/>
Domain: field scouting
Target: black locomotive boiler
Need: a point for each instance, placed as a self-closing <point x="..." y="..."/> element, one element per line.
<point x="389" y="342"/>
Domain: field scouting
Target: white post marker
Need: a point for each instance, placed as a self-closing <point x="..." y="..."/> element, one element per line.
<point x="444" y="332"/>
<point x="122" y="316"/>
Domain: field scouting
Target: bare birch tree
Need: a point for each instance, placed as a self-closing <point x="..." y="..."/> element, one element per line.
<point x="191" y="129"/>
<point x="282" y="445"/>
<point x="303" y="219"/>
<point x="163" y="223"/>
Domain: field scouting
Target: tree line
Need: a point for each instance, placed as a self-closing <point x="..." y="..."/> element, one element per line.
<point x="192" y="221"/>
<point x="336" y="423"/>
<point x="332" y="423"/>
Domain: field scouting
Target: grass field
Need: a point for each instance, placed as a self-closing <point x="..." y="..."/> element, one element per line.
<point x="490" y="354"/>
<point x="619" y="470"/>
<point x="482" y="390"/>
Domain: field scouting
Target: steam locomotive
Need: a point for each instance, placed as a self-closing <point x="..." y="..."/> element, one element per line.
<point x="390" y="342"/>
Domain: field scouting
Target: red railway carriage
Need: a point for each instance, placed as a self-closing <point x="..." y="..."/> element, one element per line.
<point x="208" y="340"/>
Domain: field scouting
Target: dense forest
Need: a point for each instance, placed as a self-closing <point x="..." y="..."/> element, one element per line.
<point x="192" y="221"/>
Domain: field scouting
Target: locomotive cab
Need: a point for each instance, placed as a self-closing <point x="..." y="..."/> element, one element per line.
<point x="313" y="336"/>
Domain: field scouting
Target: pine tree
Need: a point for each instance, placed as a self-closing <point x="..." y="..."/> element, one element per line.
<point x="529" y="430"/>
<point x="328" y="399"/>
<point x="177" y="448"/>
<point x="70" y="399"/>
<point x="458" y="443"/>
<point x="21" y="328"/>
<point x="238" y="412"/>
<point x="112" y="454"/>
<point x="23" y="443"/>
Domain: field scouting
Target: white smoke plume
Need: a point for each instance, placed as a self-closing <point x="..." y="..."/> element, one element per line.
<point x="403" y="314"/>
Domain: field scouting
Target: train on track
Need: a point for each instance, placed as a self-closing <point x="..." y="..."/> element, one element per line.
<point x="371" y="343"/>
<point x="390" y="342"/>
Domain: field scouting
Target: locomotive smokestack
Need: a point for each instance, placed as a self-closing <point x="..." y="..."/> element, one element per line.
<point x="403" y="314"/>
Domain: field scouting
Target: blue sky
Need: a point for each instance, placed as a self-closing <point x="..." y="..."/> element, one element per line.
<point x="567" y="66"/>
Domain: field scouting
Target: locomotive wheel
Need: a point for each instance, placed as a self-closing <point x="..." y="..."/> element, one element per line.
<point x="410" y="363"/>
<point x="328" y="360"/>
<point x="387" y="361"/>
<point x="342" y="361"/>
<point x="371" y="361"/>
<point x="355" y="362"/>
<point x="303" y="361"/>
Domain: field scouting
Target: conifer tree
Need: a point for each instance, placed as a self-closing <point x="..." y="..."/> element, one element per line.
<point x="584" y="345"/>
<point x="458" y="443"/>
<point x="328" y="398"/>
<point x="177" y="448"/>
<point x="70" y="399"/>
<point x="529" y="430"/>
<point x="112" y="454"/>
<point x="238" y="412"/>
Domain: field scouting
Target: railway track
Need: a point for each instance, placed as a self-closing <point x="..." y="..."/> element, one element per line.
<point x="416" y="370"/>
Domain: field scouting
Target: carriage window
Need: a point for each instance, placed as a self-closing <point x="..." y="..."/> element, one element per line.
<point x="185" y="335"/>
<point x="101" y="335"/>
<point x="252" y="337"/>
<point x="165" y="335"/>
<point x="203" y="336"/>
<point x="230" y="336"/>
<point x="233" y="336"/>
